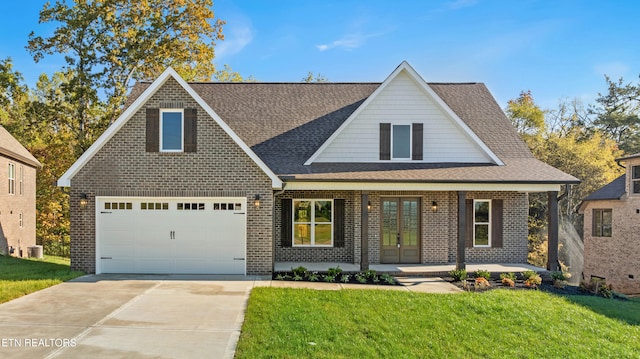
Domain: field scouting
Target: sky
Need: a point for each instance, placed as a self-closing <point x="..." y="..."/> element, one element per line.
<point x="557" y="49"/>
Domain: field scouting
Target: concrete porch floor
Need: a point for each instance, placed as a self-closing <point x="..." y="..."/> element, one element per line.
<point x="425" y="270"/>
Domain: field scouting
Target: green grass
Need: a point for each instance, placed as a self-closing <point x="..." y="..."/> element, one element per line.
<point x="299" y="323"/>
<point x="19" y="276"/>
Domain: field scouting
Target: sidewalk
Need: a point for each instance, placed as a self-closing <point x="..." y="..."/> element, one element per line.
<point x="410" y="284"/>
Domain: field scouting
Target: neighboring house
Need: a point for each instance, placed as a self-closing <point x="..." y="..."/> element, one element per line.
<point x="17" y="196"/>
<point x="612" y="230"/>
<point x="233" y="177"/>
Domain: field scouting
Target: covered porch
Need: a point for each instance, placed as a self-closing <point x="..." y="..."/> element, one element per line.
<point x="424" y="270"/>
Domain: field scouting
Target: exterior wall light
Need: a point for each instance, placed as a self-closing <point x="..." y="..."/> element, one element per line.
<point x="84" y="200"/>
<point x="369" y="206"/>
<point x="434" y="206"/>
<point x="256" y="201"/>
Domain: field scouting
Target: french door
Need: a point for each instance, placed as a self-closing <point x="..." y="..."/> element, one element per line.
<point x="400" y="227"/>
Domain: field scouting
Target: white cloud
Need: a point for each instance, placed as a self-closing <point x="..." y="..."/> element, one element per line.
<point x="348" y="42"/>
<point x="237" y="35"/>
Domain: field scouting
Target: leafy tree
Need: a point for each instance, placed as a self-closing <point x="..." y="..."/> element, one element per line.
<point x="617" y="114"/>
<point x="109" y="44"/>
<point x="525" y="115"/>
<point x="228" y="75"/>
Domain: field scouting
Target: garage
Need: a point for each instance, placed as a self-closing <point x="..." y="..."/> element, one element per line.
<point x="171" y="235"/>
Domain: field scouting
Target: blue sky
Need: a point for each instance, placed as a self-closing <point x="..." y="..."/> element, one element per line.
<point x="556" y="49"/>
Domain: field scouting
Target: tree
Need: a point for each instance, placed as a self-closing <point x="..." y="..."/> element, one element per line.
<point x="525" y="115"/>
<point x="109" y="44"/>
<point x="314" y="78"/>
<point x="617" y="114"/>
<point x="228" y="75"/>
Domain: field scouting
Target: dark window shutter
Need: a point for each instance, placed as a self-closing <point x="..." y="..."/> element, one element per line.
<point x="153" y="130"/>
<point x="338" y="222"/>
<point x="190" y="129"/>
<point x="385" y="141"/>
<point x="468" y="242"/>
<point x="416" y="150"/>
<point x="287" y="222"/>
<point x="496" y="223"/>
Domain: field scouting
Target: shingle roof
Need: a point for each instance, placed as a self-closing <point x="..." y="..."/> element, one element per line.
<point x="614" y="190"/>
<point x="10" y="147"/>
<point x="285" y="123"/>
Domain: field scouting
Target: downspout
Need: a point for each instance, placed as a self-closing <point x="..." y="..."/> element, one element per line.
<point x="273" y="227"/>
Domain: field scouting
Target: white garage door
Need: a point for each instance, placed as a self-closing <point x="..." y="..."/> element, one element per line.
<point x="184" y="235"/>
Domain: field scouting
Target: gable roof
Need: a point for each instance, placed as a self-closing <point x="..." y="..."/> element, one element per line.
<point x="10" y="147"/>
<point x="614" y="190"/>
<point x="285" y="124"/>
<point x="405" y="67"/>
<point x="139" y="101"/>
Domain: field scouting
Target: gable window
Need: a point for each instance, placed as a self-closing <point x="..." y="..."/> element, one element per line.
<point x="12" y="178"/>
<point x="401" y="141"/>
<point x="481" y="223"/>
<point x="171" y="130"/>
<point x="312" y="223"/>
<point x="602" y="219"/>
<point x="635" y="179"/>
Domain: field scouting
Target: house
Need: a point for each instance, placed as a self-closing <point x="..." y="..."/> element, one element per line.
<point x="612" y="230"/>
<point x="234" y="177"/>
<point x="17" y="196"/>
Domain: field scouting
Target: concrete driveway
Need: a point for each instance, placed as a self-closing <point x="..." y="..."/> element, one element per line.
<point x="111" y="316"/>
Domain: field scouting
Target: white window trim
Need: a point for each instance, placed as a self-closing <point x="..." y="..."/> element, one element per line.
<point x="21" y="179"/>
<point x="410" y="142"/>
<point x="488" y="245"/>
<point x="634" y="180"/>
<point x="172" y="110"/>
<point x="311" y="223"/>
<point x="11" y="175"/>
<point x="601" y="211"/>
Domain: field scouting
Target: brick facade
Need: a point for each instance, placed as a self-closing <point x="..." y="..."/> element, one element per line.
<point x="219" y="168"/>
<point x="438" y="229"/>
<point x="615" y="258"/>
<point x="12" y="206"/>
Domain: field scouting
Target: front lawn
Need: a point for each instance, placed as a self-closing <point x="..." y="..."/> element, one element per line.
<point x="20" y="276"/>
<point x="301" y="323"/>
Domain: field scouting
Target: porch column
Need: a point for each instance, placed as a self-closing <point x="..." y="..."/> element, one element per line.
<point x="364" y="231"/>
<point x="552" y="230"/>
<point x="462" y="229"/>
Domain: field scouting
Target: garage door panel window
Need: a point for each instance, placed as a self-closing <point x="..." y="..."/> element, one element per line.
<point x="118" y="205"/>
<point x="227" y="206"/>
<point x="313" y="223"/>
<point x="190" y="206"/>
<point x="154" y="206"/>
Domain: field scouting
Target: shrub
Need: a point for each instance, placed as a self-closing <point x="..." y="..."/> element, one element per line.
<point x="299" y="271"/>
<point x="282" y="276"/>
<point x="508" y="282"/>
<point x="509" y="275"/>
<point x="370" y="274"/>
<point x="597" y="286"/>
<point x="481" y="282"/>
<point x="334" y="272"/>
<point x="388" y="279"/>
<point x="558" y="276"/>
<point x="345" y="278"/>
<point x="297" y="277"/>
<point x="481" y="273"/>
<point x="361" y="278"/>
<point x="458" y="274"/>
<point x="528" y="274"/>
<point x="533" y="281"/>
<point x="313" y="277"/>
<point x="329" y="278"/>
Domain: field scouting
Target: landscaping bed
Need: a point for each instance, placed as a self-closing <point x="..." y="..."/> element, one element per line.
<point x="335" y="275"/>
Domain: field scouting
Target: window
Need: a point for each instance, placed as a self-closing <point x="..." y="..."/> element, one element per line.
<point x="12" y="178"/>
<point x="635" y="179"/>
<point x="21" y="179"/>
<point x="21" y="219"/>
<point x="401" y="142"/>
<point x="481" y="223"/>
<point x="118" y="205"/>
<point x="313" y="223"/>
<point x="171" y="130"/>
<point x="602" y="222"/>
